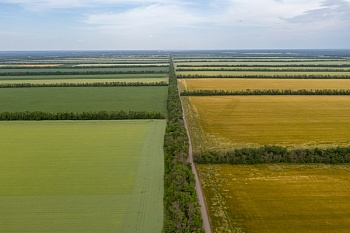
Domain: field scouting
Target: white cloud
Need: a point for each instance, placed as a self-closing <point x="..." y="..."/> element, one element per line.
<point x="198" y="23"/>
<point x="66" y="4"/>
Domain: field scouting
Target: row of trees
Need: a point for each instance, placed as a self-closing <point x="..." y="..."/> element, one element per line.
<point x="265" y="69"/>
<point x="182" y="212"/>
<point x="275" y="154"/>
<point x="94" y="84"/>
<point x="100" y="115"/>
<point x="85" y="72"/>
<point x="276" y="76"/>
<point x="266" y="92"/>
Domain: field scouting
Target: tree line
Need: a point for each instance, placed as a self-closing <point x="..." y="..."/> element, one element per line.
<point x="29" y="73"/>
<point x="182" y="211"/>
<point x="265" y="92"/>
<point x="93" y="84"/>
<point x="276" y="76"/>
<point x="275" y="154"/>
<point x="99" y="115"/>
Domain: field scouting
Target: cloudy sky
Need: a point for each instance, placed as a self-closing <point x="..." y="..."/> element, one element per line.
<point x="173" y="24"/>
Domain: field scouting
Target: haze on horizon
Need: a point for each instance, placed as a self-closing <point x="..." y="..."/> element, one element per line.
<point x="173" y="24"/>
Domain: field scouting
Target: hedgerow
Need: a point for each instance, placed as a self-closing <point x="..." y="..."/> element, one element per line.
<point x="182" y="213"/>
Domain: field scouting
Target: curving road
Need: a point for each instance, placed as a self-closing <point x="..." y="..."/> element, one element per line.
<point x="200" y="196"/>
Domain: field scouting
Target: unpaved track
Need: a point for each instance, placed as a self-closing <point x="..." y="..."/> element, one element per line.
<point x="200" y="196"/>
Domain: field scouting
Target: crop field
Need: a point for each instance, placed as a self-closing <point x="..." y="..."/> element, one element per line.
<point x="291" y="121"/>
<point x="269" y="63"/>
<point x="84" y="77"/>
<point x="81" y="80"/>
<point x="277" y="198"/>
<point x="82" y="176"/>
<point x="262" y="73"/>
<point x="85" y="69"/>
<point x="84" y="99"/>
<point x="262" y="84"/>
<point x="121" y="64"/>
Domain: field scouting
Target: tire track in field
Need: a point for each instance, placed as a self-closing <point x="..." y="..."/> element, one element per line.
<point x="199" y="191"/>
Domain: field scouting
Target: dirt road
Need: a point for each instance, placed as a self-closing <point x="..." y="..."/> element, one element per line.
<point x="200" y="196"/>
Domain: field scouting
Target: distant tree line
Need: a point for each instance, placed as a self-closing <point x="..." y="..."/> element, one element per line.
<point x="99" y="115"/>
<point x="181" y="207"/>
<point x="277" y="76"/>
<point x="275" y="154"/>
<point x="265" y="69"/>
<point x="29" y="73"/>
<point x="265" y="92"/>
<point x="94" y="84"/>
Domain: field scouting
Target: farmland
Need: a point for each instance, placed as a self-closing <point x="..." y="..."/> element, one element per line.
<point x="292" y="121"/>
<point x="263" y="84"/>
<point x="79" y="99"/>
<point x="277" y="198"/>
<point x="264" y="110"/>
<point x="96" y="174"/>
<point x="89" y="79"/>
<point x="74" y="176"/>
<point x="266" y="73"/>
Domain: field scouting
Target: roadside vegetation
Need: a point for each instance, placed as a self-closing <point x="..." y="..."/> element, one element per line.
<point x="182" y="212"/>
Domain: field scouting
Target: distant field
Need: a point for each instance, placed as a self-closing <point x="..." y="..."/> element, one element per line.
<point x="263" y="73"/>
<point x="277" y="198"/>
<point x="73" y="176"/>
<point x="80" y="99"/>
<point x="94" y="76"/>
<point x="262" y="84"/>
<point x="293" y="121"/>
<point x="121" y="64"/>
<point x="84" y="69"/>
<point x="44" y="81"/>
<point x="325" y="62"/>
<point x="30" y="65"/>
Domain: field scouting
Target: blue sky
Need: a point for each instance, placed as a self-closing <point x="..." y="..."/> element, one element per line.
<point x="173" y="24"/>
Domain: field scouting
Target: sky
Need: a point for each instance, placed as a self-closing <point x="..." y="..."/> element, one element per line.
<point x="173" y="24"/>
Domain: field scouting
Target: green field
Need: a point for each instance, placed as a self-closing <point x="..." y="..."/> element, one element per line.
<point x="73" y="176"/>
<point x="238" y="84"/>
<point x="51" y="81"/>
<point x="84" y="99"/>
<point x="277" y="198"/>
<point x="85" y="69"/>
<point x="293" y="121"/>
<point x="68" y="78"/>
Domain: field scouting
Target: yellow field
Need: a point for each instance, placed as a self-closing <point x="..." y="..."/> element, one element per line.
<point x="277" y="198"/>
<point x="293" y="121"/>
<point x="262" y="73"/>
<point x="262" y="84"/>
